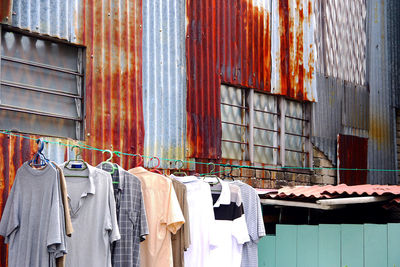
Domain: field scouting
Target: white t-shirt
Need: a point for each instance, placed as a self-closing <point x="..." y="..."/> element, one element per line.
<point x="202" y="222"/>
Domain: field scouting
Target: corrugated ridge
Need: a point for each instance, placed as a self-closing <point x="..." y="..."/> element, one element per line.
<point x="164" y="79"/>
<point x="381" y="146"/>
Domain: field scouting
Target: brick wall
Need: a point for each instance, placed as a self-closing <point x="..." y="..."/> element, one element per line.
<point x="274" y="178"/>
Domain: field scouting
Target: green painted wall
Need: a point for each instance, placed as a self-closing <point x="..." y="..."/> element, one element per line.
<point x="331" y="245"/>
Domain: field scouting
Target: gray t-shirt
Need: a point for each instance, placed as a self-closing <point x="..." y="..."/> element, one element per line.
<point x="254" y="221"/>
<point x="33" y="220"/>
<point x="93" y="216"/>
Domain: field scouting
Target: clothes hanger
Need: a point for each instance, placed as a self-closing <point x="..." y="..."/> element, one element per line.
<point x="155" y="167"/>
<point x="210" y="178"/>
<point x="75" y="167"/>
<point x="109" y="163"/>
<point x="39" y="160"/>
<point x="229" y="175"/>
<point x="140" y="163"/>
<point x="179" y="172"/>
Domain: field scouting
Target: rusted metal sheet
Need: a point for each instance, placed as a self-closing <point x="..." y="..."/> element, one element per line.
<point x="293" y="49"/>
<point x="352" y="154"/>
<point x="230" y="42"/>
<point x="227" y="42"/>
<point x="5" y="10"/>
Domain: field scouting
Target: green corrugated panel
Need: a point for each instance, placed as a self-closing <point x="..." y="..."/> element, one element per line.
<point x="352" y="245"/>
<point x="329" y="245"/>
<point x="375" y="245"/>
<point x="393" y="245"/>
<point x="286" y="236"/>
<point x="307" y="246"/>
<point x="266" y="251"/>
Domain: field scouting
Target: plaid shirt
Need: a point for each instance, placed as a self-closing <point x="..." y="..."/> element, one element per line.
<point x="131" y="215"/>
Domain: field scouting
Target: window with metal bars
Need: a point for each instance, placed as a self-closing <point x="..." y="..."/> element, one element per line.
<point x="267" y="129"/>
<point x="41" y="85"/>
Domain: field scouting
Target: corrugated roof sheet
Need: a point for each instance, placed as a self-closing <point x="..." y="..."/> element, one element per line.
<point x="334" y="191"/>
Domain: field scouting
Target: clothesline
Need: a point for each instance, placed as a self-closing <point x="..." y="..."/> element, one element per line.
<point x="232" y="166"/>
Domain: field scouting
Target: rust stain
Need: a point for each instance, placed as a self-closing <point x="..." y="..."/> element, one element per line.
<point x="284" y="45"/>
<point x="310" y="11"/>
<point x="227" y="42"/>
<point x="5" y="10"/>
<point x="378" y="132"/>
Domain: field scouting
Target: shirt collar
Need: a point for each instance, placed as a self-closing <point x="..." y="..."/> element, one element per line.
<point x="225" y="196"/>
<point x="185" y="179"/>
<point x="91" y="188"/>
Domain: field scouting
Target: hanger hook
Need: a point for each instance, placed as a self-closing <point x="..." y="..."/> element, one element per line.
<point x="141" y="160"/>
<point x="40" y="144"/>
<point x="158" y="162"/>
<point x="212" y="166"/>
<point x="111" y="154"/>
<point x="181" y="166"/>
<point x="78" y="153"/>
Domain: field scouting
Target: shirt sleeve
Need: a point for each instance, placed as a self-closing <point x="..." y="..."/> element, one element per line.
<point x="175" y="217"/>
<point x="186" y="229"/>
<point x="112" y="225"/>
<point x="9" y="221"/>
<point x="56" y="240"/>
<point x="144" y="228"/>
<point x="260" y="219"/>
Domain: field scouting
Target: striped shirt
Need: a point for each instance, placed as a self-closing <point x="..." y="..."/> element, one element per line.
<point x="255" y="224"/>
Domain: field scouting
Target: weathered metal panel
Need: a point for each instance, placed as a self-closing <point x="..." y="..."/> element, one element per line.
<point x="293" y="49"/>
<point x="227" y="42"/>
<point x="326" y="119"/>
<point x="342" y="108"/>
<point x="53" y="18"/>
<point x="341" y="39"/>
<point x="5" y="10"/>
<point x="393" y="31"/>
<point x="352" y="154"/>
<point x="381" y="146"/>
<point x="230" y="42"/>
<point x="164" y="79"/>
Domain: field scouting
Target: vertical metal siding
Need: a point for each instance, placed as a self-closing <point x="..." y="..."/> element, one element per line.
<point x="293" y="49"/>
<point x="342" y="108"/>
<point x="393" y="10"/>
<point x="5" y="10"/>
<point x="381" y="146"/>
<point x="164" y="78"/>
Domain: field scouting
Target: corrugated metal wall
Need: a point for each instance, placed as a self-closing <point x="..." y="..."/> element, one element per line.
<point x="230" y="42"/>
<point x="293" y="49"/>
<point x="381" y="146"/>
<point x="342" y="108"/>
<point x="164" y="79"/>
<point x="393" y="31"/>
<point x="343" y="96"/>
<point x="341" y="39"/>
<point x="112" y="34"/>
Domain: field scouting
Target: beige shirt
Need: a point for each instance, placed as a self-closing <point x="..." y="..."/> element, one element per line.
<point x="68" y="225"/>
<point x="164" y="216"/>
<point x="181" y="240"/>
